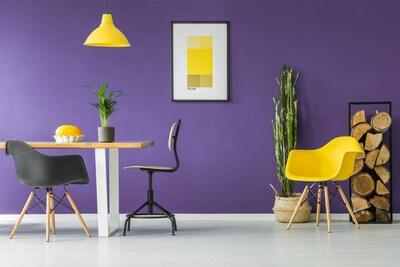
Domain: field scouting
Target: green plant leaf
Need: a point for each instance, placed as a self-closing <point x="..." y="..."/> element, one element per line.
<point x="284" y="125"/>
<point x="106" y="102"/>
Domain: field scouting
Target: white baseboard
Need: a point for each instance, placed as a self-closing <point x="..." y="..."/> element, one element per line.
<point x="246" y="216"/>
<point x="182" y="216"/>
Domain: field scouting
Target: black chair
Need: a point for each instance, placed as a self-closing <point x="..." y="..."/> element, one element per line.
<point x="150" y="203"/>
<point x="45" y="172"/>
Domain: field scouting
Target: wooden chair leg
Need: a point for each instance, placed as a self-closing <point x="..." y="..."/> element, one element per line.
<point x="21" y="215"/>
<point x="302" y="197"/>
<point x="346" y="202"/>
<point x="319" y="204"/>
<point x="78" y="214"/>
<point x="52" y="214"/>
<point x="327" y="208"/>
<point x="48" y="216"/>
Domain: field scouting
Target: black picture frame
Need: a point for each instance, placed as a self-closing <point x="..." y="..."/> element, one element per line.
<point x="228" y="94"/>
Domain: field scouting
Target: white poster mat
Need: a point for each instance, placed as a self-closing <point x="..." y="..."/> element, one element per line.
<point x="219" y="33"/>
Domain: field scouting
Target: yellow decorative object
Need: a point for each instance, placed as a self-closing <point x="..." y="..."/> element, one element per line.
<point x="68" y="130"/>
<point x="199" y="62"/>
<point x="332" y="162"/>
<point x="107" y="35"/>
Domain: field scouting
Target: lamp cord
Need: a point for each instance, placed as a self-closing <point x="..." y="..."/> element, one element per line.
<point x="107" y="6"/>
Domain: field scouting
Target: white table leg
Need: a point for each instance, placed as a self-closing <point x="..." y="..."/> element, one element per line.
<point x="114" y="187"/>
<point x="107" y="224"/>
<point x="102" y="194"/>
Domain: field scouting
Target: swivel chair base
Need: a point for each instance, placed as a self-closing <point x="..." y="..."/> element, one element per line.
<point x="150" y="204"/>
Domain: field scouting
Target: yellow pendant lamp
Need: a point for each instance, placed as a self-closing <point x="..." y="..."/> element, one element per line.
<point x="107" y="35"/>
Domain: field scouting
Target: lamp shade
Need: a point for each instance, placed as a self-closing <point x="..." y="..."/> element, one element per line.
<point x="107" y="35"/>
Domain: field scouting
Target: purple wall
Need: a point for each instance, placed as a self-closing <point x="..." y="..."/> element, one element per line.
<point x="345" y="50"/>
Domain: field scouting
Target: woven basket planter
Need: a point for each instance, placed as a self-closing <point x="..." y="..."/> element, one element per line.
<point x="284" y="207"/>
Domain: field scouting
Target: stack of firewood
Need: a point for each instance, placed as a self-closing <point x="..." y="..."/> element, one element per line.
<point x="371" y="176"/>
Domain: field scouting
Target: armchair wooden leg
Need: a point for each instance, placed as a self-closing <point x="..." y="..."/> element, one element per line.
<point x="21" y="215"/>
<point x="319" y="204"/>
<point x="346" y="202"/>
<point x="48" y="216"/>
<point x="78" y="214"/>
<point x="327" y="208"/>
<point x="302" y="197"/>
<point x="52" y="214"/>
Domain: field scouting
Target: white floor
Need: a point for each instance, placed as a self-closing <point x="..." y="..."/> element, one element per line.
<point x="203" y="243"/>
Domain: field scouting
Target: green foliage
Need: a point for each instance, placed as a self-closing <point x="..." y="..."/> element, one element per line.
<point x="106" y="102"/>
<point x="285" y="125"/>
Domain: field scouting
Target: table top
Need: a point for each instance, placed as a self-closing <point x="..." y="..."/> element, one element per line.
<point x="87" y="145"/>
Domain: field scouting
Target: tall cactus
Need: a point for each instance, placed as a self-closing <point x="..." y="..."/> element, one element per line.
<point x="285" y="125"/>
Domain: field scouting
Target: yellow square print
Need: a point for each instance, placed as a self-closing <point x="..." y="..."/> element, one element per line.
<point x="199" y="62"/>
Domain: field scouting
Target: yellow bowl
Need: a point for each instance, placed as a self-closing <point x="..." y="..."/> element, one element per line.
<point x="68" y="130"/>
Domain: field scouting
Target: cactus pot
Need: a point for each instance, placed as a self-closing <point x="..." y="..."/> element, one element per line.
<point x="284" y="207"/>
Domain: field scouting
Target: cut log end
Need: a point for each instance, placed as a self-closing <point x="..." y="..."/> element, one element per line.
<point x="371" y="157"/>
<point x="364" y="216"/>
<point x="381" y="189"/>
<point x="358" y="117"/>
<point x="381" y="121"/>
<point x="383" y="156"/>
<point x="359" y="203"/>
<point x="373" y="141"/>
<point x="382" y="216"/>
<point x="383" y="173"/>
<point x="380" y="202"/>
<point x="360" y="129"/>
<point x="361" y="155"/>
<point x="363" y="184"/>
<point x="358" y="166"/>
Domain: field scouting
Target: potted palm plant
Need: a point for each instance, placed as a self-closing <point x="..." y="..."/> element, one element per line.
<point x="106" y="105"/>
<point x="285" y="139"/>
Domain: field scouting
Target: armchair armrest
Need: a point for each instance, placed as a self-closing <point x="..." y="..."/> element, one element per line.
<point x="302" y="164"/>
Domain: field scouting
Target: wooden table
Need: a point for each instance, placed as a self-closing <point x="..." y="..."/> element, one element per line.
<point x="107" y="194"/>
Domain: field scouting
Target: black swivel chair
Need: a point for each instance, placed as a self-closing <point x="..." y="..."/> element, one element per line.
<point x="150" y="203"/>
<point x="40" y="171"/>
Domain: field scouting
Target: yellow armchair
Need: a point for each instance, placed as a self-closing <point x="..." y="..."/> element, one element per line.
<point x="332" y="162"/>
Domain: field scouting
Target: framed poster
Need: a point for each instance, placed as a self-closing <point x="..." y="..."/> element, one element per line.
<point x="200" y="60"/>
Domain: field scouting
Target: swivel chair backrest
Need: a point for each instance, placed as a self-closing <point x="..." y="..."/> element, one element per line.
<point x="172" y="141"/>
